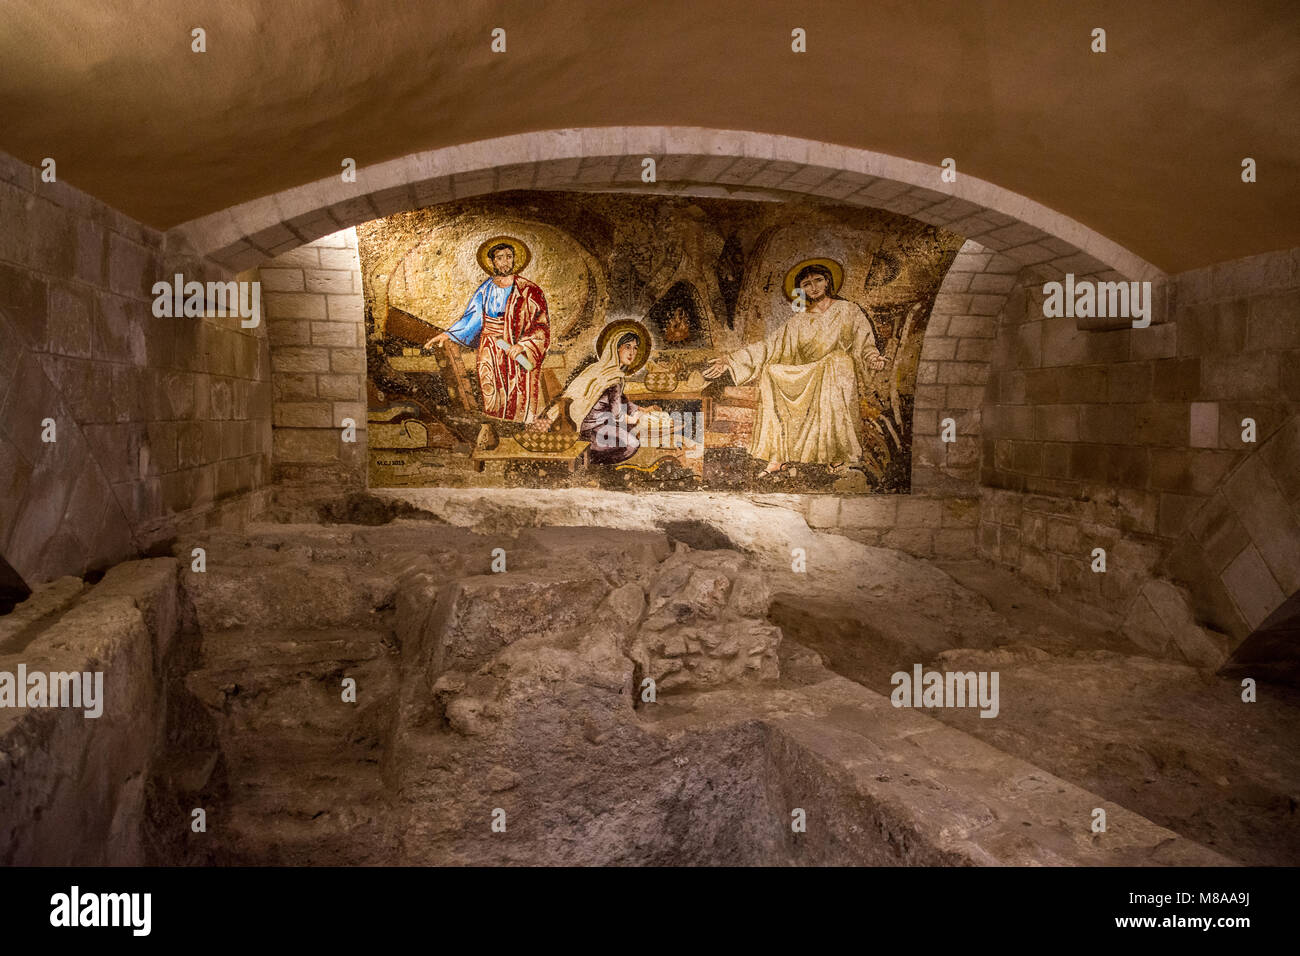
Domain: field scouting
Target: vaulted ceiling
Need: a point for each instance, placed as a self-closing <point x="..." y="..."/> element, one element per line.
<point x="1143" y="143"/>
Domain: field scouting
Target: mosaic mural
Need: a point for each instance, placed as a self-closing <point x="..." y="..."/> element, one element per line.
<point x="553" y="339"/>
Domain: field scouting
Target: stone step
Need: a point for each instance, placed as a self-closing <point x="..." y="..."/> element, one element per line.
<point x="321" y="832"/>
<point x="312" y="594"/>
<point x="944" y="797"/>
<point x="288" y="647"/>
<point x="309" y="803"/>
<point x="298" y="785"/>
<point x="299" y="793"/>
<point x="242" y="668"/>
<point x="264" y="748"/>
<point x="303" y="767"/>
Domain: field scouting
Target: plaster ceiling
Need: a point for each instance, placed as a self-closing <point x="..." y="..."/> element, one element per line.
<point x="1142" y="143"/>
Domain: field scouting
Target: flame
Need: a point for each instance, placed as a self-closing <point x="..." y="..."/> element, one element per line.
<point x="677" y="328"/>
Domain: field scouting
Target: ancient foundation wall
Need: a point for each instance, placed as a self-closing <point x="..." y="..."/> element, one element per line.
<point x="711" y="780"/>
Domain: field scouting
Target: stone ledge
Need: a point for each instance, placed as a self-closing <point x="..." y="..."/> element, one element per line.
<point x="886" y="786"/>
<point x="121" y="628"/>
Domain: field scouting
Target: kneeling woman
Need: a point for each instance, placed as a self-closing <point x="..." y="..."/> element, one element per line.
<point x="597" y="406"/>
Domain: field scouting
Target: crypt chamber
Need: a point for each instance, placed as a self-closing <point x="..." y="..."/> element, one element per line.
<point x="670" y="491"/>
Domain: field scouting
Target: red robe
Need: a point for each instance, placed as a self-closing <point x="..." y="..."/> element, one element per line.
<point x="511" y="392"/>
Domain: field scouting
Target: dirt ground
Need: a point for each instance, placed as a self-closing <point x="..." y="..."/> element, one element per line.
<point x="1172" y="743"/>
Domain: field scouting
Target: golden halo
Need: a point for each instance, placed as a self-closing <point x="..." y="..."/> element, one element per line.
<point x="615" y="330"/>
<point x="837" y="275"/>
<point x="522" y="255"/>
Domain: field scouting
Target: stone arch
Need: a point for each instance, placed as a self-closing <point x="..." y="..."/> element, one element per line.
<point x="732" y="162"/>
<point x="1005" y="233"/>
<point x="1238" y="557"/>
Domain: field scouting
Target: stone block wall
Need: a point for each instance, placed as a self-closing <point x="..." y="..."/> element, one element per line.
<point x="954" y="369"/>
<point x="927" y="526"/>
<point x="161" y="424"/>
<point x="315" y="318"/>
<point x="1118" y="438"/>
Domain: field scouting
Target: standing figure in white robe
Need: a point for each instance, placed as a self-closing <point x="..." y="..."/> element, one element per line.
<point x="808" y="373"/>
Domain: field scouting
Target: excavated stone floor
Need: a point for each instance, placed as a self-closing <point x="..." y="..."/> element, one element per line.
<point x="498" y="716"/>
<point x="518" y="691"/>
<point x="1174" y="743"/>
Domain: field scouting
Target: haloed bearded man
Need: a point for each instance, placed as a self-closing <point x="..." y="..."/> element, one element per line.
<point x="507" y="320"/>
<point x="808" y="372"/>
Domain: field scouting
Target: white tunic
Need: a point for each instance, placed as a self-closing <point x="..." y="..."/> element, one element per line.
<point x="807" y="373"/>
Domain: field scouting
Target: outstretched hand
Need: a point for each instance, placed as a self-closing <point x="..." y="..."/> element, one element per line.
<point x="441" y="339"/>
<point x="716" y="369"/>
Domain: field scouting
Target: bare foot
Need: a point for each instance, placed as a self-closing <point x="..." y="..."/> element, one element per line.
<point x="773" y="467"/>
